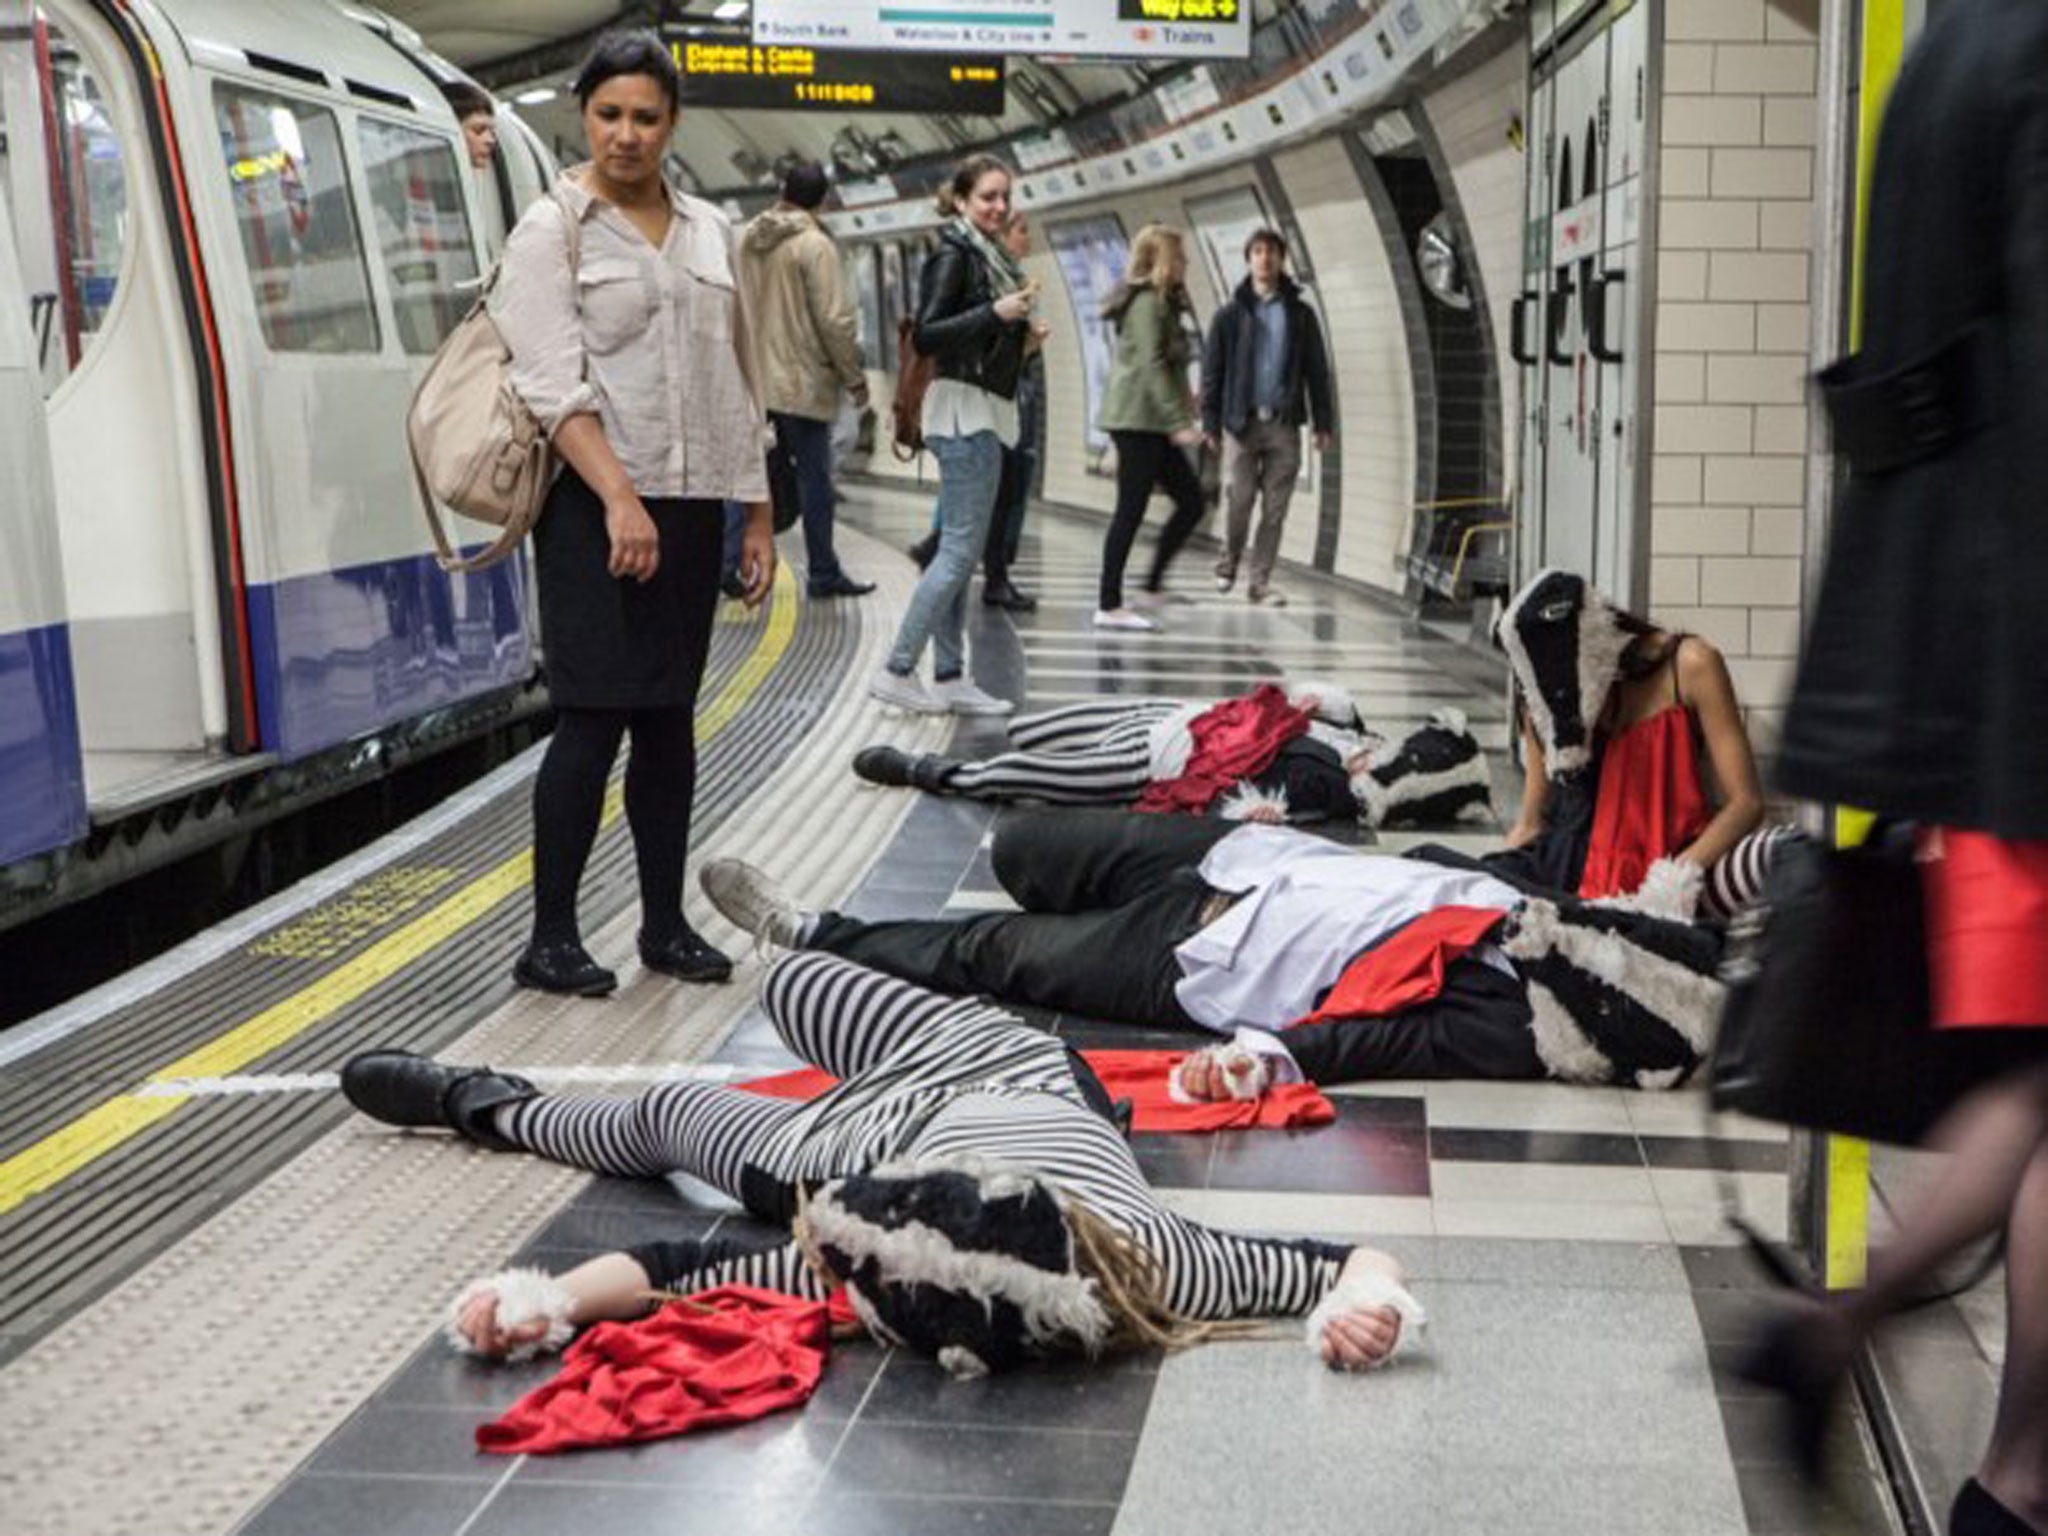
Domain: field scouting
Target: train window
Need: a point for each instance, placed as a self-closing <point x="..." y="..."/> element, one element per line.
<point x="429" y="260"/>
<point x="66" y="189"/>
<point x="298" y="225"/>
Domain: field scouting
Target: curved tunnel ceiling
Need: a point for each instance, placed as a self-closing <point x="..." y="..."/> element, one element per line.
<point x="527" y="51"/>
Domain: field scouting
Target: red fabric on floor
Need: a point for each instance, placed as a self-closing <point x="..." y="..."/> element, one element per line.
<point x="1407" y="966"/>
<point x="755" y="1353"/>
<point x="1233" y="741"/>
<point x="1141" y="1077"/>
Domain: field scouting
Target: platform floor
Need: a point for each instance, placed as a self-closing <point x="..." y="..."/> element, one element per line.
<point x="250" y="1345"/>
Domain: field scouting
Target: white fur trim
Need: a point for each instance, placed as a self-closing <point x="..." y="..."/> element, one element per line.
<point x="524" y="1296"/>
<point x="1243" y="1088"/>
<point x="1564" y="1049"/>
<point x="1682" y="998"/>
<point x="1657" y="1081"/>
<point x="1451" y="718"/>
<point x="1671" y="890"/>
<point x="1370" y="1288"/>
<point x="1601" y="643"/>
<point x="1242" y="801"/>
<point x="1053" y="1305"/>
<point x="1326" y="701"/>
<point x="1412" y="787"/>
<point x="961" y="1363"/>
<point x="1372" y="797"/>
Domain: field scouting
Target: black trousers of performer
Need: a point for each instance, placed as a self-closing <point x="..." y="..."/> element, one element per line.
<point x="1476" y="1027"/>
<point x="1107" y="896"/>
<point x="1146" y="461"/>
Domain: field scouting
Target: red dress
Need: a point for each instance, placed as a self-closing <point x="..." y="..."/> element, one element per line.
<point x="1987" y="929"/>
<point x="1650" y="803"/>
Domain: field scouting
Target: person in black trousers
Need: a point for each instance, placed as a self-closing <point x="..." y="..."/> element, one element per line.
<point x="602" y="301"/>
<point x="1149" y="414"/>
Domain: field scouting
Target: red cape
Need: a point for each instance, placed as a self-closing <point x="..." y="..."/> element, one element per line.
<point x="1233" y="741"/>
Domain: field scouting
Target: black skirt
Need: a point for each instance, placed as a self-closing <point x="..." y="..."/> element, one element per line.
<point x="612" y="642"/>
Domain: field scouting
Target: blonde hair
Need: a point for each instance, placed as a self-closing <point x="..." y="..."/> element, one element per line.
<point x="1159" y="258"/>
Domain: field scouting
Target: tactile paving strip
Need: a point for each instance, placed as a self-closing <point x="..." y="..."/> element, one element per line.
<point x="180" y="1397"/>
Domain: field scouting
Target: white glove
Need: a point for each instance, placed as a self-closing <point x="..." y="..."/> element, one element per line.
<point x="1369" y="1288"/>
<point x="524" y="1296"/>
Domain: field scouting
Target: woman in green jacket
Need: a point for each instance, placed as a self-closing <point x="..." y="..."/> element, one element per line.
<point x="1149" y="413"/>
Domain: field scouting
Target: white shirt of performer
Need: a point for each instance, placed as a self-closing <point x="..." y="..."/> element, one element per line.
<point x="1307" y="907"/>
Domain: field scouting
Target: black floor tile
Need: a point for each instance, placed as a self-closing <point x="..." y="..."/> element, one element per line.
<point x="526" y="1508"/>
<point x="312" y="1505"/>
<point x="1173" y="1161"/>
<point x="963" y="1463"/>
<point x="1108" y="1396"/>
<point x="438" y="1377"/>
<point x="835" y="1515"/>
<point x="1093" y="1035"/>
<point x="411" y="1442"/>
<point x="604" y="1228"/>
<point x="654" y="1197"/>
<point x="1374" y="1147"/>
<point x="780" y="1456"/>
<point x="1462" y="1145"/>
<point x="1706" y="1152"/>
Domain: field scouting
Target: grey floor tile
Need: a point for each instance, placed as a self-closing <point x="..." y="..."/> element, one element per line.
<point x="1701" y="1152"/>
<point x="1107" y="1396"/>
<point x="438" y="1377"/>
<point x="1714" y="1268"/>
<point x="393" y="1440"/>
<point x="312" y="1505"/>
<point x="527" y="1508"/>
<point x="839" y="1515"/>
<point x="1526" y="1262"/>
<point x="1471" y="1145"/>
<point x="603" y="1228"/>
<point x="781" y="1456"/>
<point x="969" y="1463"/>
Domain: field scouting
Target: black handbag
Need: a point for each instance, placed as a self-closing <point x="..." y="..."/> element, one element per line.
<point x="784" y="499"/>
<point x="1826" y="1024"/>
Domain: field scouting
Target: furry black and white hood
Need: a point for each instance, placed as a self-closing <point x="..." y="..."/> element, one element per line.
<point x="1565" y="643"/>
<point x="967" y="1261"/>
<point x="1438" y="775"/>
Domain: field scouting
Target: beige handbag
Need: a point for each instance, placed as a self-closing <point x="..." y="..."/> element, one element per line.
<point x="475" y="445"/>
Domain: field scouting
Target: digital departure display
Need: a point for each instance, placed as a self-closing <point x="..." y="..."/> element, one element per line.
<point x="724" y="67"/>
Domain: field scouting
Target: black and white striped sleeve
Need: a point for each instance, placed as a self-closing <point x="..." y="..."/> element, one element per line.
<point x="1213" y="1275"/>
<point x="690" y="1265"/>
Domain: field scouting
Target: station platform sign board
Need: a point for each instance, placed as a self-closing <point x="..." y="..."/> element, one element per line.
<point x="727" y="67"/>
<point x="1150" y="29"/>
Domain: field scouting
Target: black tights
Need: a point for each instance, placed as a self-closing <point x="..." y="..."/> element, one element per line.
<point x="1145" y="461"/>
<point x="568" y="800"/>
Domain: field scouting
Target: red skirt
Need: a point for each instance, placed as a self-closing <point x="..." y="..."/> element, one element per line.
<point x="1987" y="930"/>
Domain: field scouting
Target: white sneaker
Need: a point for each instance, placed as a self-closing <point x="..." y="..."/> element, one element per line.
<point x="1271" y="597"/>
<point x="752" y="903"/>
<point x="1123" y="618"/>
<point x="1225" y="582"/>
<point x="961" y="696"/>
<point x="904" y="692"/>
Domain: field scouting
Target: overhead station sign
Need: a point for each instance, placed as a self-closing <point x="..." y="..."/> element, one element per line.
<point x="727" y="67"/>
<point x="1151" y="29"/>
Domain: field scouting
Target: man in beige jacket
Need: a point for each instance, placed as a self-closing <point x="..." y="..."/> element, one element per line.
<point x="807" y="348"/>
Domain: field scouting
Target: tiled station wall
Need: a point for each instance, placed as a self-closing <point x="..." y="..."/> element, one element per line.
<point x="1735" y="269"/>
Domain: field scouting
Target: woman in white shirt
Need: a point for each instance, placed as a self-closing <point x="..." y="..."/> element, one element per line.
<point x="628" y="343"/>
<point x="973" y="313"/>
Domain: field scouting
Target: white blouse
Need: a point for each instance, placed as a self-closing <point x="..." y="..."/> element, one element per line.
<point x="653" y="341"/>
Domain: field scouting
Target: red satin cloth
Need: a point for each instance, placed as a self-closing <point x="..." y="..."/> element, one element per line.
<point x="1407" y="966"/>
<point x="755" y="1353"/>
<point x="1233" y="741"/>
<point x="1987" y="929"/>
<point x="1141" y="1077"/>
<point x="1649" y="806"/>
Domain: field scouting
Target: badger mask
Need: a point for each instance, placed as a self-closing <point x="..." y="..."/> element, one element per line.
<point x="1565" y="643"/>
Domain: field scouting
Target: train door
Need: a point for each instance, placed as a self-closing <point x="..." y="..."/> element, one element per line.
<point x="1576" y="322"/>
<point x="114" y="355"/>
<point x="42" y="779"/>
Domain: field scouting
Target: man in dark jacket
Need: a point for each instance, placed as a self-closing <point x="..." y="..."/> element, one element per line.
<point x="1264" y="372"/>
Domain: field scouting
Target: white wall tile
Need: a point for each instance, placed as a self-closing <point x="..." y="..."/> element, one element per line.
<point x="1686" y="172"/>
<point x="1784" y="328"/>
<point x="1688" y="68"/>
<point x="1761" y="682"/>
<point x="1726" y="628"/>
<point x="1734" y="480"/>
<point x="1674" y="580"/>
<point x="1789" y="122"/>
<point x="1766" y="69"/>
<point x="1781" y="429"/>
<point x="1714" y="21"/>
<point x="1704" y="429"/>
<point x="1690" y="120"/>
<point x="1777" y="530"/>
<point x="1760" y="379"/>
<point x="1699" y="531"/>
<point x="1698" y="224"/>
<point x="1682" y="275"/>
<point x="1706" y="327"/>
<point x="1774" y="631"/>
<point x="1792" y="21"/>
<point x="1762" y="172"/>
<point x="1777" y="277"/>
<point x="1681" y="378"/>
<point x="1758" y="581"/>
<point x="1677" y="479"/>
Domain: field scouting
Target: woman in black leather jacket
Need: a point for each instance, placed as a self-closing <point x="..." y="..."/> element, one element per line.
<point x="973" y="308"/>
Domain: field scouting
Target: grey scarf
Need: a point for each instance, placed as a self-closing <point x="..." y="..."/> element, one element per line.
<point x="1004" y="275"/>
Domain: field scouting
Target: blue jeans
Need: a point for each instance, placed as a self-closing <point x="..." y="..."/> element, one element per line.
<point x="809" y="446"/>
<point x="969" y="469"/>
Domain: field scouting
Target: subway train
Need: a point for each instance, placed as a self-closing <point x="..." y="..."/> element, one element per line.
<point x="241" y="229"/>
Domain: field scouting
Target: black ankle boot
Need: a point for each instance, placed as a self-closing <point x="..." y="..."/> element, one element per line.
<point x="402" y="1088"/>
<point x="687" y="956"/>
<point x="563" y="967"/>
<point x="1977" y="1513"/>
<point x="925" y="549"/>
<point x="1001" y="592"/>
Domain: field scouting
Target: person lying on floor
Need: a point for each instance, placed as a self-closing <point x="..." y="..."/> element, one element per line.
<point x="1298" y="754"/>
<point x="1624" y="726"/>
<point x="1331" y="964"/>
<point x="964" y="1182"/>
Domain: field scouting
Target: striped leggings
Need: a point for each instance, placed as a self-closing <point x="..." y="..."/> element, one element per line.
<point x="1082" y="754"/>
<point x="898" y="1048"/>
<point x="1737" y="877"/>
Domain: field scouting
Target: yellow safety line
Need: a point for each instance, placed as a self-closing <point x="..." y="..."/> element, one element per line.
<point x="109" y="1125"/>
<point x="1845" y="1237"/>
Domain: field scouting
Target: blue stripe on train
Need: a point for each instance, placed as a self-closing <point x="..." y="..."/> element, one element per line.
<point x="343" y="653"/>
<point x="42" y="778"/>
